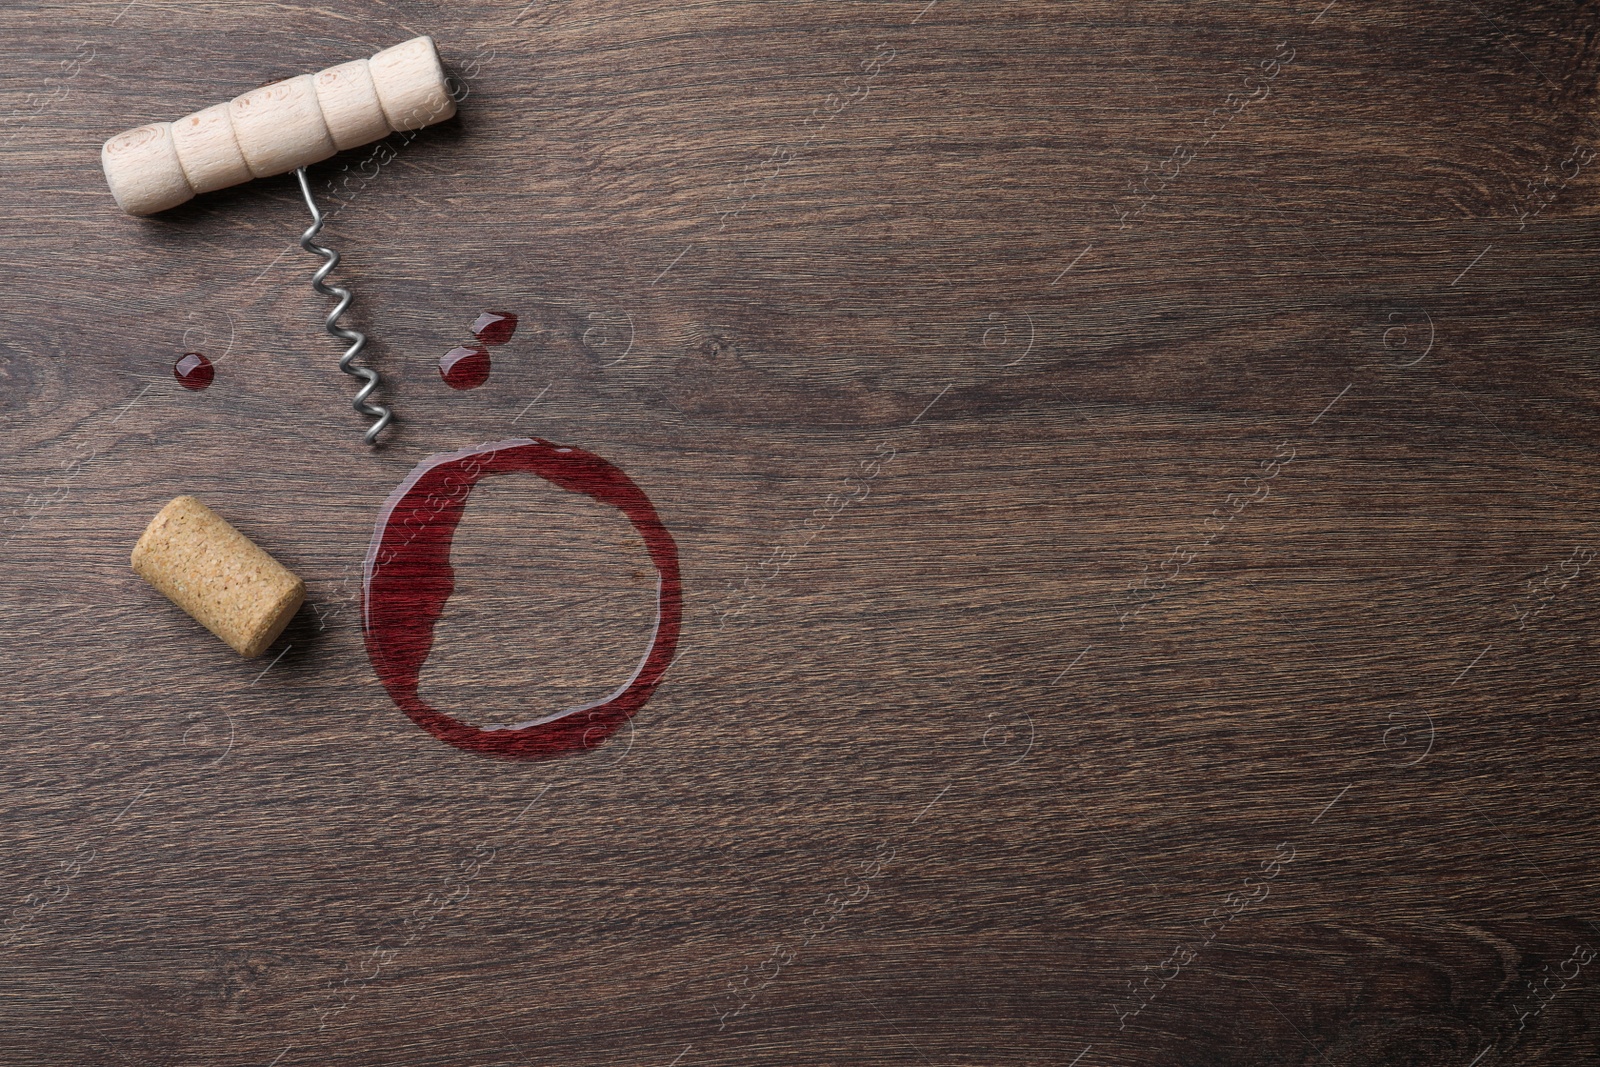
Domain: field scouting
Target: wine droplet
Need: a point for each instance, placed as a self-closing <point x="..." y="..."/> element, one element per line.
<point x="495" y="327"/>
<point x="193" y="371"/>
<point x="465" y="368"/>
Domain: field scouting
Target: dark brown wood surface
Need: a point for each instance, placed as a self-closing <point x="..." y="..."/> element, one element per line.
<point x="1134" y="470"/>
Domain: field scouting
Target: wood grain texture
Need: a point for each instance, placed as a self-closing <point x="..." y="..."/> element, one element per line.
<point x="1134" y="471"/>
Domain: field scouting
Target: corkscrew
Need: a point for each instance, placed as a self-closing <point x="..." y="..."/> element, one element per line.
<point x="357" y="339"/>
<point x="287" y="125"/>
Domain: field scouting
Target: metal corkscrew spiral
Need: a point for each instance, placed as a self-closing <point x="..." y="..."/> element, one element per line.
<point x="357" y="339"/>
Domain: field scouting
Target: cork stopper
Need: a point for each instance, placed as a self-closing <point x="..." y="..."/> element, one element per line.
<point x="218" y="575"/>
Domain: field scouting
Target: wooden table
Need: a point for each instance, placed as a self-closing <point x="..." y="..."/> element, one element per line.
<point x="1133" y="468"/>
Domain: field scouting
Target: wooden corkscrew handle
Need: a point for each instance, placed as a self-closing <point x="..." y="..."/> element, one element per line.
<point x="278" y="128"/>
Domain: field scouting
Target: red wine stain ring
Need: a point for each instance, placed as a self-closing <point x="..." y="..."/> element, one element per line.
<point x="408" y="579"/>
